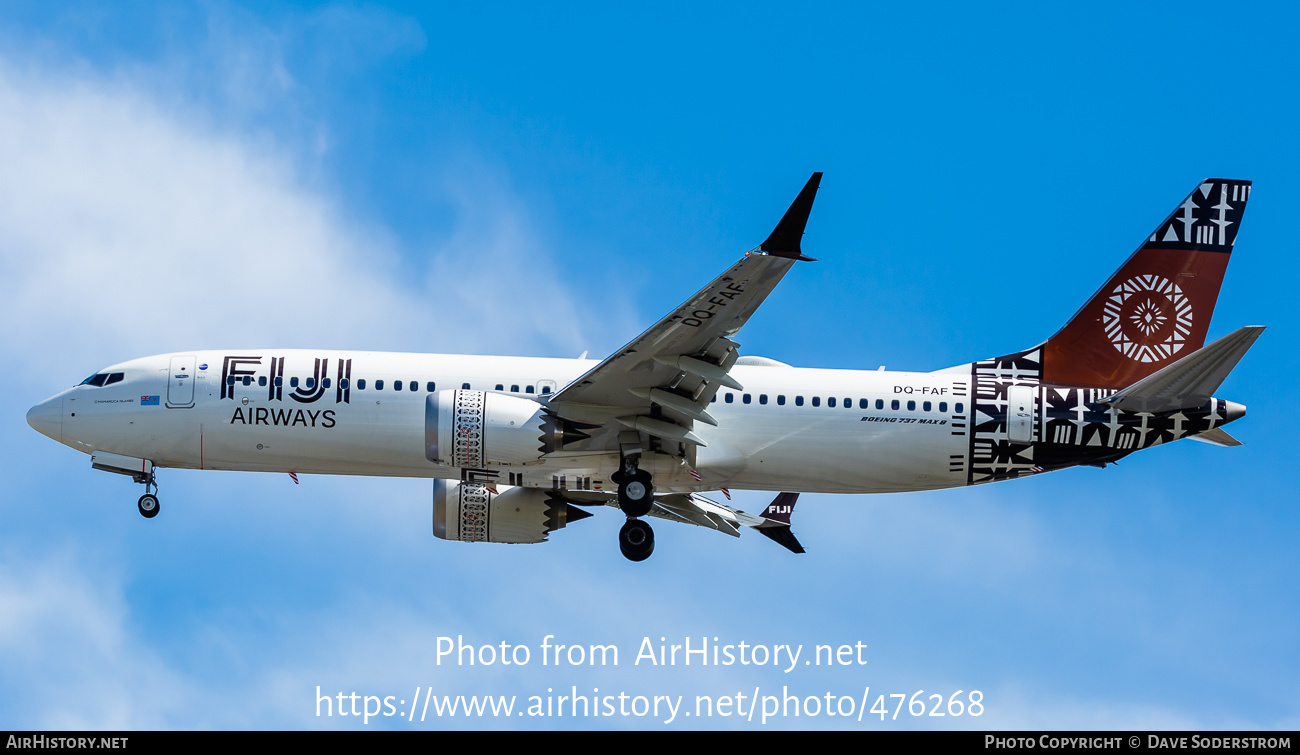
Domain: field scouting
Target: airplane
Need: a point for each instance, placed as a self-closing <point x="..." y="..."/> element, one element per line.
<point x="520" y="447"/>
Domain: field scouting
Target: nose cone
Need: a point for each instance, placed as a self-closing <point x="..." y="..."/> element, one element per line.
<point x="1235" y="410"/>
<point x="46" y="418"/>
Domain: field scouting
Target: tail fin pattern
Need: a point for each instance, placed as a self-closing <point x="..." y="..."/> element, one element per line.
<point x="1156" y="308"/>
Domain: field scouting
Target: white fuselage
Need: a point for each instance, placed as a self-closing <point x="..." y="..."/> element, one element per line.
<point x="813" y="430"/>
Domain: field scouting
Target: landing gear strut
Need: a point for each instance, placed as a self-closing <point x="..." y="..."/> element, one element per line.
<point x="635" y="489"/>
<point x="635" y="497"/>
<point x="148" y="503"/>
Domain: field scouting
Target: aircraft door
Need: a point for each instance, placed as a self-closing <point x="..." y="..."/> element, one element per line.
<point x="180" y="383"/>
<point x="1020" y="413"/>
<point x="545" y="387"/>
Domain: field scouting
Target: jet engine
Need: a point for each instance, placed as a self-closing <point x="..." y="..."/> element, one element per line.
<point x="480" y="429"/>
<point x="475" y="512"/>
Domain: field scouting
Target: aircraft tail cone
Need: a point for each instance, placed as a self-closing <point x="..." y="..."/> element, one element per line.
<point x="1234" y="410"/>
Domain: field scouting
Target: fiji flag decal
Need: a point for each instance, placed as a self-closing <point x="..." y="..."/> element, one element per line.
<point x="148" y="401"/>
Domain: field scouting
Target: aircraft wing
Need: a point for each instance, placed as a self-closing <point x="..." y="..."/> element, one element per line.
<point x="679" y="363"/>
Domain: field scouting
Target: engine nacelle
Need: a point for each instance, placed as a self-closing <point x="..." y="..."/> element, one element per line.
<point x="472" y="512"/>
<point x="478" y="429"/>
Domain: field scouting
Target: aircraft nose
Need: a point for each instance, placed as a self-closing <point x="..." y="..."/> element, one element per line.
<point x="1235" y="410"/>
<point x="46" y="418"/>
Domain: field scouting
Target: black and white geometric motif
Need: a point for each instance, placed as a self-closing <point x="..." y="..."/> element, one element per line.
<point x="1078" y="429"/>
<point x="1071" y="426"/>
<point x="467" y="428"/>
<point x="1139" y="307"/>
<point x="993" y="456"/>
<point x="1208" y="219"/>
<point x="472" y="514"/>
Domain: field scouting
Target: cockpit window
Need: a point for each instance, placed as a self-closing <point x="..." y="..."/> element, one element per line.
<point x="100" y="379"/>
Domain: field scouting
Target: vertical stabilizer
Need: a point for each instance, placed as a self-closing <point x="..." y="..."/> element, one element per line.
<point x="1156" y="308"/>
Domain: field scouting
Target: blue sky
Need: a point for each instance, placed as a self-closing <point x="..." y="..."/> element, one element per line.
<point x="536" y="180"/>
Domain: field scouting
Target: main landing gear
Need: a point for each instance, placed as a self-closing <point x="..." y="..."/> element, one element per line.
<point x="636" y="540"/>
<point x="148" y="503"/>
<point x="635" y="497"/>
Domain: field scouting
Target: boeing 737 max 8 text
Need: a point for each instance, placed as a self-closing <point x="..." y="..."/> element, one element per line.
<point x="520" y="447"/>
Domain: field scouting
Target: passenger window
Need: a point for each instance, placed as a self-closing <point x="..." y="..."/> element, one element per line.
<point x="880" y="403"/>
<point x="528" y="389"/>
<point x="745" y="398"/>
<point x="730" y="398"/>
<point x="514" y="389"/>
<point x="762" y="398"/>
<point x="262" y="381"/>
<point x="894" y="404"/>
<point x="925" y="406"/>
<point x="361" y="384"/>
<point x="960" y="407"/>
<point x="379" y="385"/>
<point x="293" y="382"/>
<point x="714" y="400"/>
<point x="397" y="385"/>
<point x="848" y="403"/>
<point x="911" y="406"/>
<point x="311" y="382"/>
<point x="325" y="383"/>
<point x="279" y="382"/>
<point x="248" y="380"/>
<point x="464" y="386"/>
<point x="429" y="386"/>
<point x="829" y="402"/>
<point x="546" y="389"/>
<point x="413" y="386"/>
<point x="817" y="400"/>
<point x="798" y="400"/>
<point x="500" y="387"/>
<point x="229" y="381"/>
<point x="780" y="399"/>
<point x="943" y="406"/>
<point x="344" y="383"/>
<point x="863" y="403"/>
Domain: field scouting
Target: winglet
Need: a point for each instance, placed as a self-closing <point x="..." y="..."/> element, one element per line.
<point x="778" y="514"/>
<point x="784" y="241"/>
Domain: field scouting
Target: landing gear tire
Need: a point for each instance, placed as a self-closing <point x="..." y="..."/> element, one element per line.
<point x="636" y="540"/>
<point x="148" y="505"/>
<point x="636" y="495"/>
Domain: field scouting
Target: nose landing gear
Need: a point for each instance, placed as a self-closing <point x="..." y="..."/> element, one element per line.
<point x="148" y="503"/>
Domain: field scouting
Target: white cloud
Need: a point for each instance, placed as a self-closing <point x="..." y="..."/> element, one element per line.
<point x="126" y="230"/>
<point x="71" y="659"/>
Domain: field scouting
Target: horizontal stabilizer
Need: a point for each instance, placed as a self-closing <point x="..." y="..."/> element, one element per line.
<point x="1190" y="381"/>
<point x="1216" y="437"/>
